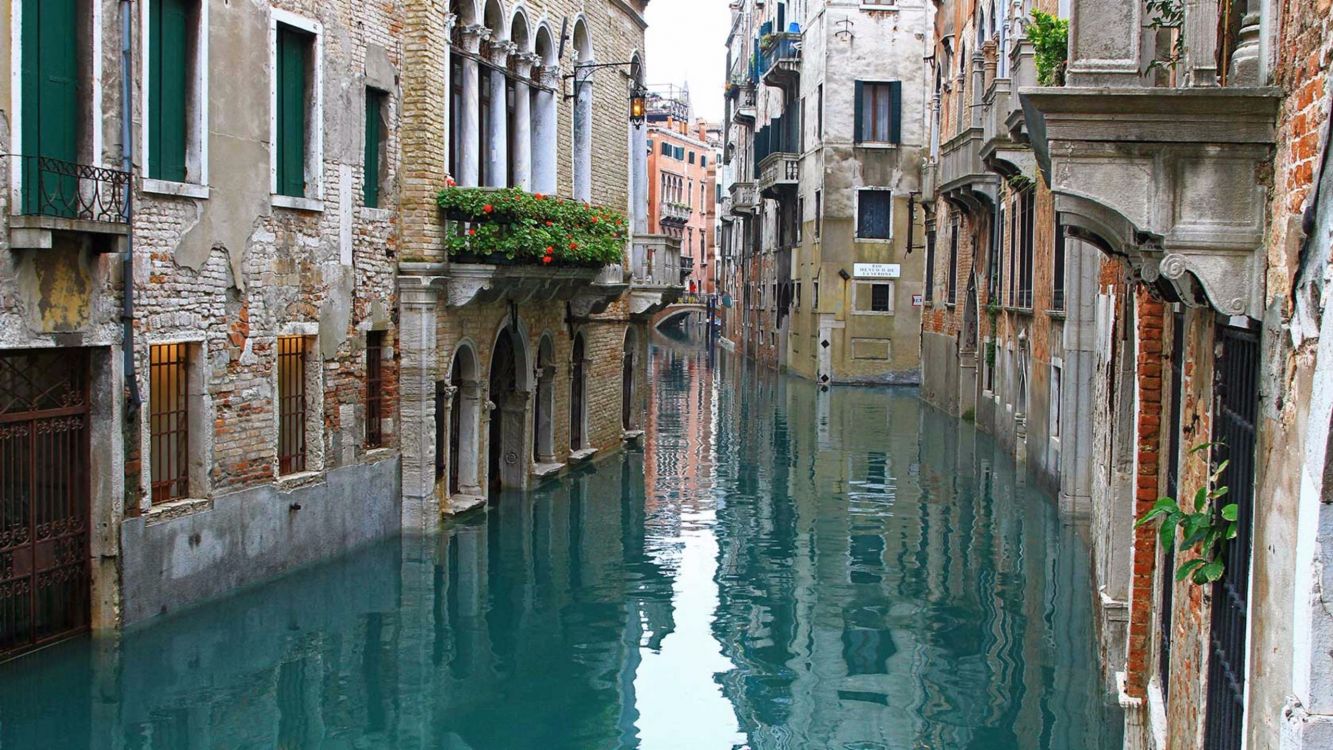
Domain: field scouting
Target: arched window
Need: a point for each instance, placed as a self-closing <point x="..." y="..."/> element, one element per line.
<point x="464" y="95"/>
<point x="495" y="100"/>
<point x="508" y="448"/>
<point x="544" y="128"/>
<point x="628" y="396"/>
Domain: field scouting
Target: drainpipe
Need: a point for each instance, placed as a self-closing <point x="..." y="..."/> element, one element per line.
<point x="127" y="165"/>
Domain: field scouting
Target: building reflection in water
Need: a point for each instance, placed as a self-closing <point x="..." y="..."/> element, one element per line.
<point x="779" y="567"/>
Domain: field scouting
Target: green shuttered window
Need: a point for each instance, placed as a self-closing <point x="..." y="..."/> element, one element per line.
<point x="52" y="111"/>
<point x="878" y="112"/>
<point x="293" y="65"/>
<point x="169" y="24"/>
<point x="374" y="141"/>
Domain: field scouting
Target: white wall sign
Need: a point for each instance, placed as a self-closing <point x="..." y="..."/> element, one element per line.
<point x="877" y="270"/>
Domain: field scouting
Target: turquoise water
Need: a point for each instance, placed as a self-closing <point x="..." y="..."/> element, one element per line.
<point x="778" y="568"/>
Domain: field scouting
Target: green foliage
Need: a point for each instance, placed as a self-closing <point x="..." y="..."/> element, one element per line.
<point x="1170" y="15"/>
<point x="1050" y="40"/>
<point x="1202" y="529"/>
<point x="970" y="415"/>
<point x="990" y="353"/>
<point x="524" y="227"/>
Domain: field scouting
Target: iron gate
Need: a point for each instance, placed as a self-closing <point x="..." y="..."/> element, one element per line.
<point x="1236" y="399"/>
<point x="44" y="497"/>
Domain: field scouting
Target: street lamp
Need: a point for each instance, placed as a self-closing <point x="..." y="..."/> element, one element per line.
<point x="638" y="94"/>
<point x="638" y="104"/>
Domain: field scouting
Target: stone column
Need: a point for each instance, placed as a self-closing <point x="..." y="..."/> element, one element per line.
<point x="449" y="391"/>
<point x="450" y="20"/>
<point x="471" y="433"/>
<point x="583" y="139"/>
<point x="544" y="132"/>
<point x="1106" y="43"/>
<point x="416" y="331"/>
<point x="522" y="145"/>
<point x="1245" y="60"/>
<point x="638" y="147"/>
<point x="488" y="409"/>
<point x="496" y="166"/>
<point x="469" y="144"/>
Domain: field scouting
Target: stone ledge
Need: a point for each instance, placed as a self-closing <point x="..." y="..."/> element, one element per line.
<point x="543" y="471"/>
<point x="177" y="509"/>
<point x="581" y="456"/>
<point x="459" y="504"/>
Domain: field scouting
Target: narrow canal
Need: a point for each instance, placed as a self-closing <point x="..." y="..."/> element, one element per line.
<point x="777" y="568"/>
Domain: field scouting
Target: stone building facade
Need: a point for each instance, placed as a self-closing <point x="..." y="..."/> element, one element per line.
<point x="681" y="192"/>
<point x="1201" y="181"/>
<point x="825" y="143"/>
<point x="512" y="373"/>
<point x="210" y="258"/>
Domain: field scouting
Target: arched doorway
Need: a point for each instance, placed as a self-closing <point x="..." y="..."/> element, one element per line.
<point x="577" y="393"/>
<point x="462" y="412"/>
<point x="543" y="433"/>
<point x="629" y="363"/>
<point x="507" y="450"/>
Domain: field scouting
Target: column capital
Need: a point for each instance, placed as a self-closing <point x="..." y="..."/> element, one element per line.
<point x="525" y="63"/>
<point x="449" y="391"/>
<point x="498" y="52"/>
<point x="450" y="21"/>
<point x="548" y="77"/>
<point x="473" y="35"/>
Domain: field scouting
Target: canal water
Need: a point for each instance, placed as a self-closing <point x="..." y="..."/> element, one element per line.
<point x="779" y="567"/>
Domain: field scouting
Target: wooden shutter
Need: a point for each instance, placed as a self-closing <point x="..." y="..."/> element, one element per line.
<point x="858" y="114"/>
<point x="292" y="53"/>
<point x="169" y="28"/>
<point x="50" y="69"/>
<point x="895" y="112"/>
<point x="374" y="106"/>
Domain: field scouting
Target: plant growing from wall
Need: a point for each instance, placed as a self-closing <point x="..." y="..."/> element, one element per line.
<point x="512" y="226"/>
<point x="1050" y="41"/>
<point x="1202" y="529"/>
<point x="1168" y="15"/>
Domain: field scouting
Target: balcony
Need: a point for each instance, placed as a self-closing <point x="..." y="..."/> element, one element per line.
<point x="655" y="273"/>
<point x="56" y="196"/>
<point x="780" y="60"/>
<point x="1167" y="177"/>
<point x="672" y="214"/>
<point x="779" y="174"/>
<point x="1004" y="147"/>
<point x="744" y="198"/>
<point x="744" y="113"/>
<point x="962" y="175"/>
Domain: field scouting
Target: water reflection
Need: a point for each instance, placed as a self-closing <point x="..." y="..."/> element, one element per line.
<point x="778" y="568"/>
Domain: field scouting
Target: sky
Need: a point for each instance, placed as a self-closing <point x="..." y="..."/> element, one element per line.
<point x="687" y="43"/>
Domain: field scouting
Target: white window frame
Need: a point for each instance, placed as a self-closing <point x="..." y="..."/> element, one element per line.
<point x="856" y="216"/>
<point x="314" y="160"/>
<point x="200" y="423"/>
<point x="868" y="285"/>
<point x="16" y="95"/>
<point x="199" y="136"/>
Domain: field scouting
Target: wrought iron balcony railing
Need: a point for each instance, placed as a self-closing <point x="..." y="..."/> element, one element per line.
<point x="65" y="190"/>
<point x="781" y="59"/>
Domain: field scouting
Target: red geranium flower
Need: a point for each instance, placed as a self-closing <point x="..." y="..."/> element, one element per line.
<point x="573" y="245"/>
<point x="550" y="249"/>
<point x="549" y="223"/>
<point x="595" y="219"/>
<point x="487" y="208"/>
<point x="539" y="196"/>
<point x="546" y="259"/>
<point x="471" y="232"/>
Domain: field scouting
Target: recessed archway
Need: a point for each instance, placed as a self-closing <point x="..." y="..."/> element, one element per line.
<point x="628" y="381"/>
<point x="577" y="396"/>
<point x="583" y="115"/>
<point x="543" y="433"/>
<point x="508" y="452"/>
<point x="462" y="415"/>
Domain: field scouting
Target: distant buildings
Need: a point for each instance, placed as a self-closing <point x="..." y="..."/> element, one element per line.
<point x="682" y="175"/>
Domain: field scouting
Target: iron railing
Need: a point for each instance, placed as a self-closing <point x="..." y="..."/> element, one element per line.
<point x="784" y="47"/>
<point x="375" y="389"/>
<point x="67" y="190"/>
<point x="1236" y="405"/>
<point x="291" y="405"/>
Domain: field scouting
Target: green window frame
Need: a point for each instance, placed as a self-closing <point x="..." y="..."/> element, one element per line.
<point x="169" y="24"/>
<point x="878" y="112"/>
<point x="52" y="108"/>
<point x="374" y="141"/>
<point x="294" y="51"/>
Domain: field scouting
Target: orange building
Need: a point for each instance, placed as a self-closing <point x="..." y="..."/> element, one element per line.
<point x="682" y="180"/>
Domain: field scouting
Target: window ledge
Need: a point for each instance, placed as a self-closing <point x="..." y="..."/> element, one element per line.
<point x="379" y="453"/>
<point x="301" y="479"/>
<point x="177" y="509"/>
<point x="542" y="471"/>
<point x="890" y="8"/>
<point x="460" y="503"/>
<point x="314" y="205"/>
<point x="176" y="189"/>
<point x="877" y="240"/>
<point x="582" y="456"/>
<point x="377" y="214"/>
<point x="1057" y="314"/>
<point x="878" y="145"/>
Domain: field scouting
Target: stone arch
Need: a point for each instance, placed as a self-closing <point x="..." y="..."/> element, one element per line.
<point x="543" y="44"/>
<point x="459" y="422"/>
<point x="629" y="385"/>
<point x="583" y="54"/>
<point x="543" y="419"/>
<point x="544" y="111"/>
<point x="465" y="12"/>
<point x="509" y="388"/>
<point x="495" y="18"/>
<point x="520" y="29"/>
<point x="578" y="394"/>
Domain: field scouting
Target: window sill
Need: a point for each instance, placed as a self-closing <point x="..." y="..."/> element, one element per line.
<point x="890" y="8"/>
<point x="1056" y="314"/>
<point x="313" y="205"/>
<point x="301" y="479"/>
<point x="878" y="145"/>
<point x="176" y="189"/>
<point x="582" y="456"/>
<point x="379" y="453"/>
<point x="871" y="313"/>
<point x="177" y="509"/>
<point x="542" y="471"/>
<point x="377" y="214"/>
<point x="876" y="240"/>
